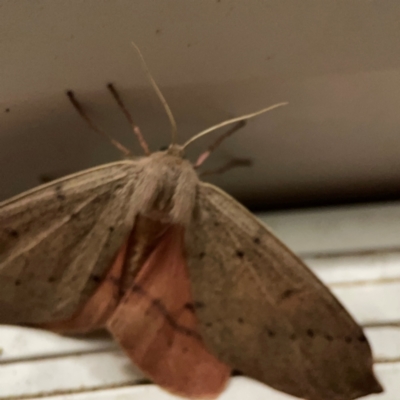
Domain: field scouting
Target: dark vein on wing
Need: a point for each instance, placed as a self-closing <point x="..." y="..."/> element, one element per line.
<point x="53" y="228"/>
<point x="159" y="305"/>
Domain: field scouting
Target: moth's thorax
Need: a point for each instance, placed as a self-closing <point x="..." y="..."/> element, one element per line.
<point x="166" y="187"/>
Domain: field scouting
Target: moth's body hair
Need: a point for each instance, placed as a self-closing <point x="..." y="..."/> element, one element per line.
<point x="166" y="187"/>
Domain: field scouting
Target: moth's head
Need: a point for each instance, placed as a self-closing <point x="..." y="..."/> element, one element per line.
<point x="176" y="150"/>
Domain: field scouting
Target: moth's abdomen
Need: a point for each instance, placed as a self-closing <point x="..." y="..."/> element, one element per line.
<point x="166" y="189"/>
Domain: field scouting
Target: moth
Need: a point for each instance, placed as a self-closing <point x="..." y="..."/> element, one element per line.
<point x="188" y="282"/>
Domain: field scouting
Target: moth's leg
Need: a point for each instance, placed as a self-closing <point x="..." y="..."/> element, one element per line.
<point x="236" y="162"/>
<point x="135" y="128"/>
<point x="203" y="156"/>
<point x="78" y="107"/>
<point x="155" y="323"/>
<point x="96" y="311"/>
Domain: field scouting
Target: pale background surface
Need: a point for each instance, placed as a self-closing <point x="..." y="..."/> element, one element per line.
<point x="336" y="62"/>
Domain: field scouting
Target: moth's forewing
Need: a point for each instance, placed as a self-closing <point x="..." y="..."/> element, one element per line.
<point x="57" y="241"/>
<point x="263" y="312"/>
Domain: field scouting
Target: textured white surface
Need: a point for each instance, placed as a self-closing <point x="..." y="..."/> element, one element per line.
<point x="36" y="363"/>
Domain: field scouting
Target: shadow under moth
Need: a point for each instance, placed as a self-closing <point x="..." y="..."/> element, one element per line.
<point x="187" y="281"/>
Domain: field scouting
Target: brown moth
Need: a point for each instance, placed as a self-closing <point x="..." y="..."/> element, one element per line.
<point x="189" y="283"/>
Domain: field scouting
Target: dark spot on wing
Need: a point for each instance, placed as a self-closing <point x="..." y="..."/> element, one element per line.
<point x="348" y="339"/>
<point x="292" y="336"/>
<point x="216" y="223"/>
<point x="239" y="253"/>
<point x="7" y="110"/>
<point x="198" y="304"/>
<point x="209" y="324"/>
<point x="257" y="240"/>
<point x="12" y="232"/>
<point x="189" y="306"/>
<point x="51" y="279"/>
<point x="202" y="255"/>
<point x="193" y="306"/>
<point x="240" y="320"/>
<point x="95" y="278"/>
<point x="362" y="338"/>
<point x="270" y="333"/>
<point x="310" y="333"/>
<point x="288" y="293"/>
<point x="17" y="282"/>
<point x="111" y="229"/>
<point x="329" y="337"/>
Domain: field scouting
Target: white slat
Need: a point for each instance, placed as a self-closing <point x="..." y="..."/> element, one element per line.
<point x="356" y="267"/>
<point x="371" y="303"/>
<point x="338" y="229"/>
<point x="65" y="374"/>
<point x="385" y="342"/>
<point x="239" y="388"/>
<point x="112" y="368"/>
<point x="19" y="343"/>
